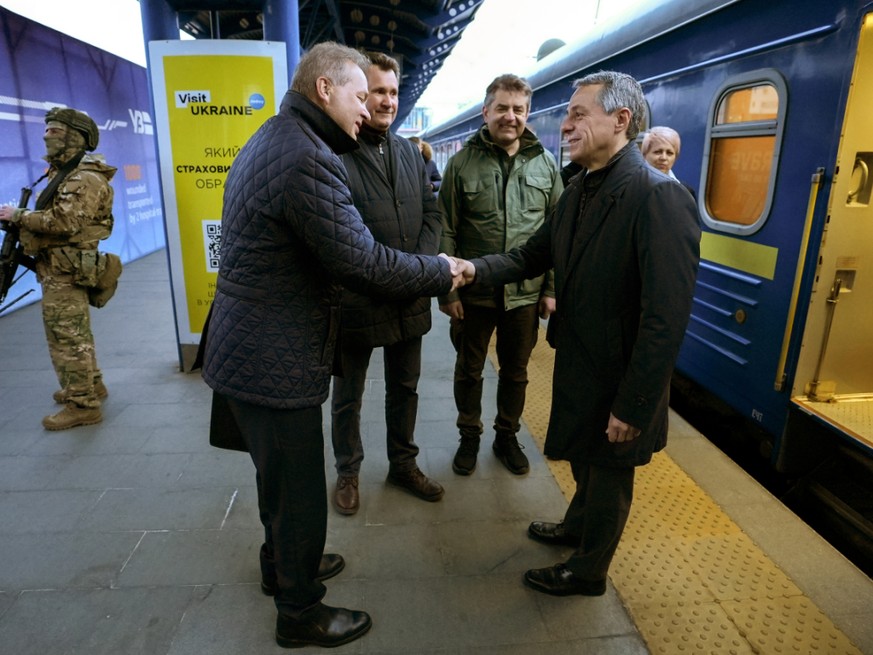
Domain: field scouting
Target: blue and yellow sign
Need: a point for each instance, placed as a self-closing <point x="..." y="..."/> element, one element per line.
<point x="210" y="97"/>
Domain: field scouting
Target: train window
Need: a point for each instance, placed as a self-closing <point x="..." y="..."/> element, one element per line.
<point x="444" y="149"/>
<point x="755" y="103"/>
<point x="742" y="148"/>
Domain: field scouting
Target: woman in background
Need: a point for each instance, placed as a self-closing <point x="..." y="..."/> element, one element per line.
<point x="430" y="166"/>
<point x="661" y="149"/>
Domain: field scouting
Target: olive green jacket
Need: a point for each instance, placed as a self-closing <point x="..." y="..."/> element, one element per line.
<point x="486" y="212"/>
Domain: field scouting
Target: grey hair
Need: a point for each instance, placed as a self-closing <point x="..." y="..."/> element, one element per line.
<point x="618" y="90"/>
<point x="327" y="59"/>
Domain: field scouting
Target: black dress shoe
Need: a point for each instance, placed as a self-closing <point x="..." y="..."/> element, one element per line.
<point x="558" y="580"/>
<point x="416" y="483"/>
<point x="552" y="533"/>
<point x="329" y="566"/>
<point x="322" y="626"/>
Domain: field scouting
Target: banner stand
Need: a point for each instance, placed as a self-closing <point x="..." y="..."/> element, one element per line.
<point x="209" y="98"/>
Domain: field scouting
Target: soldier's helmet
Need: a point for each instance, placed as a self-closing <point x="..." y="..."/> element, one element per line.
<point x="79" y="121"/>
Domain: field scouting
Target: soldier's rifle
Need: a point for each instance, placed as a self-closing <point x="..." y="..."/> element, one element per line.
<point x="12" y="255"/>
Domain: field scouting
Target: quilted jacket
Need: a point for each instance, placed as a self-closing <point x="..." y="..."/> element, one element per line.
<point x="291" y="238"/>
<point x="390" y="189"/>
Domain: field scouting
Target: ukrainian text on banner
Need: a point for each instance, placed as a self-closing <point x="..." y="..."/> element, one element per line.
<point x="209" y="98"/>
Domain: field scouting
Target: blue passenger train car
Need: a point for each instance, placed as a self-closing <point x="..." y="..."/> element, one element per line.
<point x="772" y="102"/>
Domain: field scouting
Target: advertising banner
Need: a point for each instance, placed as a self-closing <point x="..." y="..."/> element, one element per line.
<point x="41" y="68"/>
<point x="209" y="98"/>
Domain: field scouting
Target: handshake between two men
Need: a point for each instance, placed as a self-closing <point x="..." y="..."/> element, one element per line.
<point x="463" y="271"/>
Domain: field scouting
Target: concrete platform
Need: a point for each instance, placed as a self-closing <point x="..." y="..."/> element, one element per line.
<point x="135" y="536"/>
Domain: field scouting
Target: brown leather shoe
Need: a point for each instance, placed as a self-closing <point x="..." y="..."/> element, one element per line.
<point x="72" y="416"/>
<point x="345" y="497"/>
<point x="100" y="391"/>
<point x="417" y="483"/>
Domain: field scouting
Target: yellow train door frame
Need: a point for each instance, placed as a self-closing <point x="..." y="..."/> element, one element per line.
<point x="834" y="378"/>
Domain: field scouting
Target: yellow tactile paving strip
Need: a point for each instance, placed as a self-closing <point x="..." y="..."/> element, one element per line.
<point x="692" y="580"/>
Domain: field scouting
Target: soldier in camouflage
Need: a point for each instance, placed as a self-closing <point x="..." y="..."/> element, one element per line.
<point x="73" y="213"/>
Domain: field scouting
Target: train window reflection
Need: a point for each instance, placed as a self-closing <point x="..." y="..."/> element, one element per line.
<point x="739" y="173"/>
<point x="741" y="151"/>
<point x="756" y="103"/>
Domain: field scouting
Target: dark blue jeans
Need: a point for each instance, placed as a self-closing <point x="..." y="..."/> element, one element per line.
<point x="402" y="363"/>
<point x="516" y="337"/>
<point x="287" y="448"/>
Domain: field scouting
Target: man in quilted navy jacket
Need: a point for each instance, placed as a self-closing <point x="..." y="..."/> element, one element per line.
<point x="291" y="239"/>
<point x="390" y="188"/>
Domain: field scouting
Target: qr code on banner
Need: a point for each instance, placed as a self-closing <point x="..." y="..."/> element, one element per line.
<point x="212" y="244"/>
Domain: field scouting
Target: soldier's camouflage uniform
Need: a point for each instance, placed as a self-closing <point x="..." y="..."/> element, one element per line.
<point x="63" y="238"/>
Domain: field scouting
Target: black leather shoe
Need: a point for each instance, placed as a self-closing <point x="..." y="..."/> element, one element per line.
<point x="322" y="626"/>
<point x="552" y="533"/>
<point x="417" y="483"/>
<point x="330" y="565"/>
<point x="558" y="580"/>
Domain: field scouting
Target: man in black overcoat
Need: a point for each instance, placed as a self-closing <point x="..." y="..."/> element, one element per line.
<point x="624" y="244"/>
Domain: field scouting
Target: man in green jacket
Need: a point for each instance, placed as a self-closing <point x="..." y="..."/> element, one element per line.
<point x="496" y="191"/>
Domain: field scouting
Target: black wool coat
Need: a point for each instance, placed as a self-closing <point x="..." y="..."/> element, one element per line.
<point x="390" y="189"/>
<point x="624" y="282"/>
<point x="291" y="239"/>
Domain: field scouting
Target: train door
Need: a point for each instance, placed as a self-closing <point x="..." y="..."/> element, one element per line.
<point x="834" y="377"/>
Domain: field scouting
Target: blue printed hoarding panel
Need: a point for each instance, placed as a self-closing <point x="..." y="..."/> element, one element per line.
<point x="41" y="68"/>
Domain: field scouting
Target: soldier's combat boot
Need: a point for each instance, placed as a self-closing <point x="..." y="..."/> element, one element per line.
<point x="72" y="416"/>
<point x="99" y="389"/>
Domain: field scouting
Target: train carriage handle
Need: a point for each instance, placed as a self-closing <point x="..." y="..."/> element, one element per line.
<point x="815" y="187"/>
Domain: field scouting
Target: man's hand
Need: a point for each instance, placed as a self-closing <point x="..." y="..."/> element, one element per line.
<point x="463" y="272"/>
<point x="7" y="213"/>
<point x="453" y="309"/>
<point x="457" y="276"/>
<point x="546" y="306"/>
<point x="466" y="269"/>
<point x="618" y="431"/>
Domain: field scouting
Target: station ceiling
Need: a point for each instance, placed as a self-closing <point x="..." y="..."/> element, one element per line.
<point x="420" y="34"/>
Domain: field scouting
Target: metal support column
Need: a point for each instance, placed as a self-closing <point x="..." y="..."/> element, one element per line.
<point x="160" y="22"/>
<point x="282" y="23"/>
